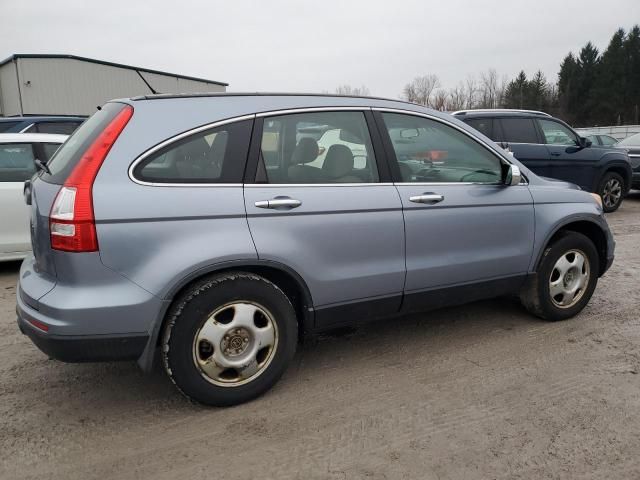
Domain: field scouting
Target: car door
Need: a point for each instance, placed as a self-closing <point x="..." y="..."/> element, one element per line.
<point x="522" y="137"/>
<point x="16" y="166"/>
<point x="468" y="235"/>
<point x="338" y="224"/>
<point x="569" y="161"/>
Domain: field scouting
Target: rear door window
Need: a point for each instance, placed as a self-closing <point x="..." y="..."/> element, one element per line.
<point x="519" y="130"/>
<point x="62" y="128"/>
<point x="6" y="126"/>
<point x="484" y="126"/>
<point x="16" y="162"/>
<point x="217" y="155"/>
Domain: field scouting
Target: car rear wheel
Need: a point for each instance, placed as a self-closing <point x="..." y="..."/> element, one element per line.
<point x="566" y="278"/>
<point x="611" y="190"/>
<point x="229" y="338"/>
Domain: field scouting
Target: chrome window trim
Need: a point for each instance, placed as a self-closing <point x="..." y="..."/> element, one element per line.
<point x="176" y="138"/>
<point x="282" y="185"/>
<point x="27" y="128"/>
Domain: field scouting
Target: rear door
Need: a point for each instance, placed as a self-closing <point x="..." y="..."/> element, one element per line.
<point x="328" y="212"/>
<point x="16" y="166"/>
<point x="522" y="137"/>
<point x="569" y="162"/>
<point x="465" y="229"/>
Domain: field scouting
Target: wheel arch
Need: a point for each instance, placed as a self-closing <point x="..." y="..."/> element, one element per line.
<point x="286" y="278"/>
<point x="616" y="166"/>
<point x="590" y="229"/>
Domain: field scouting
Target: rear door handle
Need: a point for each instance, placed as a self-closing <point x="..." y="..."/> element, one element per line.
<point x="279" y="203"/>
<point x="555" y="154"/>
<point x="428" y="198"/>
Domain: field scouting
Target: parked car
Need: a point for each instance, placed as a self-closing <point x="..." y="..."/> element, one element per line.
<point x="42" y="124"/>
<point x="602" y="140"/>
<point x="551" y="148"/>
<point x="632" y="146"/>
<point x="159" y="225"/>
<point x="18" y="152"/>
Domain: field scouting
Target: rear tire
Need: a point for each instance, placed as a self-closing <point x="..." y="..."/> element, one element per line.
<point x="566" y="278"/>
<point x="229" y="338"/>
<point x="611" y="190"/>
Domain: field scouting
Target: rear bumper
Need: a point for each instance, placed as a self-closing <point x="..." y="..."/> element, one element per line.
<point x="101" y="317"/>
<point x="81" y="348"/>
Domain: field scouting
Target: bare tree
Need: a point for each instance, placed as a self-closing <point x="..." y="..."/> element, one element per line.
<point x="361" y="91"/>
<point x="471" y="91"/>
<point x="457" y="98"/>
<point x="421" y="89"/>
<point x="440" y="99"/>
<point x="488" y="91"/>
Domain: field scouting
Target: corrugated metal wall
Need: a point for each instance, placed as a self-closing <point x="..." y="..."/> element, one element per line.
<point x="66" y="86"/>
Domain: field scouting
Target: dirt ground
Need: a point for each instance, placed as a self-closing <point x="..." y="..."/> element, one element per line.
<point x="480" y="391"/>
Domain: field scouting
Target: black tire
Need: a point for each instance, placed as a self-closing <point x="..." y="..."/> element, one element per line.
<point x="536" y="295"/>
<point x="190" y="312"/>
<point x="609" y="204"/>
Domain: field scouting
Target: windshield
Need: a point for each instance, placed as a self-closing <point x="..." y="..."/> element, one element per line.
<point x="632" y="140"/>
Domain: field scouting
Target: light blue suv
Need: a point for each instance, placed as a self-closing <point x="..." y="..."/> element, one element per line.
<point x="215" y="229"/>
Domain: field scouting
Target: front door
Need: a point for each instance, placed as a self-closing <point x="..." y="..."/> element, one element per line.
<point x="569" y="161"/>
<point x="464" y="227"/>
<point x="319" y="206"/>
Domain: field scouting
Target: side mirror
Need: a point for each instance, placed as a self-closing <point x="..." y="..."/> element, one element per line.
<point x="513" y="175"/>
<point x="585" y="142"/>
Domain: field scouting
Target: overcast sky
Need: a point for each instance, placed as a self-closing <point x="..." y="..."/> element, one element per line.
<point x="297" y="45"/>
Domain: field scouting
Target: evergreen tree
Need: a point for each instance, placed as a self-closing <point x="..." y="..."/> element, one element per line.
<point x="632" y="48"/>
<point x="611" y="88"/>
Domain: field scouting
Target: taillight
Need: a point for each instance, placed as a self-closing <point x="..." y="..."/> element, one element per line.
<point x="71" y="222"/>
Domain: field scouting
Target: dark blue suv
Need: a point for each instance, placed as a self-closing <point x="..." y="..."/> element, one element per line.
<point x="551" y="148"/>
<point x="42" y="124"/>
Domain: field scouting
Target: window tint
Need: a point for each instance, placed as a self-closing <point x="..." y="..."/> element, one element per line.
<point x="519" y="130"/>
<point x="6" y="126"/>
<point x="62" y="128"/>
<point x="429" y="151"/>
<point x="16" y="162"/>
<point x="483" y="125"/>
<point x="319" y="147"/>
<point x="49" y="149"/>
<point x="556" y="134"/>
<point x="217" y="155"/>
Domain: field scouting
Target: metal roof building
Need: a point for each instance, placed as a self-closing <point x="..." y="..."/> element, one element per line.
<point x="70" y="85"/>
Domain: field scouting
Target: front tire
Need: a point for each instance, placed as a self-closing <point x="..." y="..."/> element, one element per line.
<point x="611" y="190"/>
<point x="566" y="278"/>
<point x="229" y="338"/>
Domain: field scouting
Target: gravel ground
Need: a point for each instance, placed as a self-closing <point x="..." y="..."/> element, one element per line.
<point x="480" y="391"/>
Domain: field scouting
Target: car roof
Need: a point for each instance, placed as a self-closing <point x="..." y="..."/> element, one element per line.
<point x="32" y="138"/>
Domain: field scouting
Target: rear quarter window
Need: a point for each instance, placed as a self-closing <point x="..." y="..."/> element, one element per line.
<point x="215" y="155"/>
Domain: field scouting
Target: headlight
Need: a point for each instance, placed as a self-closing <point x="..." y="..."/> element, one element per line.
<point x="597" y="198"/>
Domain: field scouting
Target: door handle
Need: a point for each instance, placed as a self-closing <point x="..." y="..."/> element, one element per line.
<point x="555" y="154"/>
<point x="279" y="203"/>
<point x="428" y="198"/>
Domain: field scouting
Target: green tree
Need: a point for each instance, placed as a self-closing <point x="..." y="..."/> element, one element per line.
<point x="611" y="84"/>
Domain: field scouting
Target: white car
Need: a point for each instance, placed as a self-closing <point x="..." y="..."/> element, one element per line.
<point x="18" y="154"/>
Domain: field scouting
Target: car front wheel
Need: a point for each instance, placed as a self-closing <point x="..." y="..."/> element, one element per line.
<point x="611" y="190"/>
<point x="566" y="278"/>
<point x="229" y="338"/>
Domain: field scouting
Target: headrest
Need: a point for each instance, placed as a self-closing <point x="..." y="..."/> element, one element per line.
<point x="339" y="161"/>
<point x="306" y="151"/>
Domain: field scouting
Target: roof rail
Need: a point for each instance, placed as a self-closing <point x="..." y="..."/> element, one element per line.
<point x="464" y="112"/>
